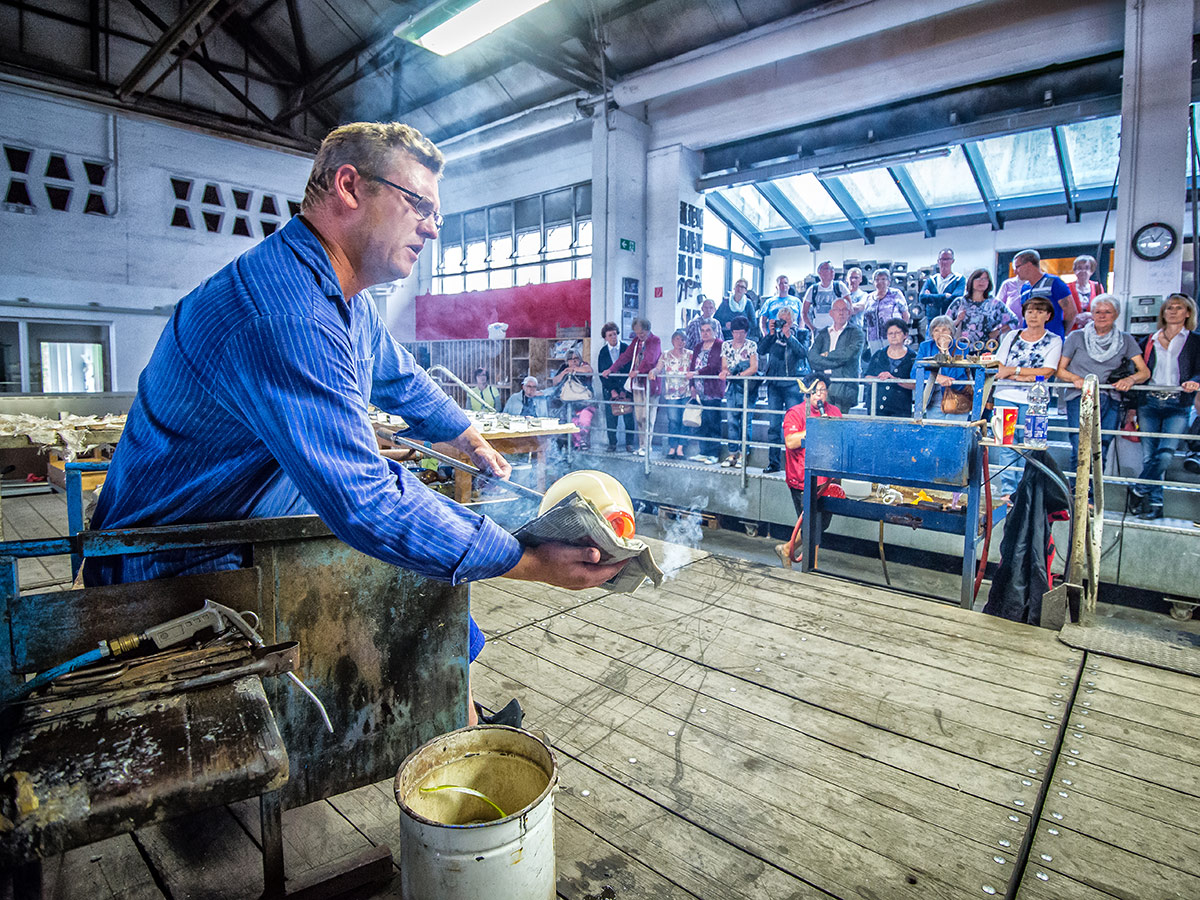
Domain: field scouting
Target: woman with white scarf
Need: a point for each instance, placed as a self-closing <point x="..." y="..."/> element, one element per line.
<point x="1100" y="349"/>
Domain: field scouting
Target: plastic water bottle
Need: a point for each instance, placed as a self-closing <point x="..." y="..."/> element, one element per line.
<point x="1037" y="416"/>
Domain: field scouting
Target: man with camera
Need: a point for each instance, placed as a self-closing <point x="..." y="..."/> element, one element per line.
<point x="770" y="308"/>
<point x="785" y="348"/>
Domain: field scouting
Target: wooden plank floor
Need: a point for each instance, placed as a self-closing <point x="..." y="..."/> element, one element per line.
<point x="749" y="732"/>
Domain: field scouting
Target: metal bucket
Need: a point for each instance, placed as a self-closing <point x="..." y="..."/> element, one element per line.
<point x="455" y="845"/>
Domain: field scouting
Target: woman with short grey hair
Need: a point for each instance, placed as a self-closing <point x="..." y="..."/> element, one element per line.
<point x="941" y="329"/>
<point x="1100" y="348"/>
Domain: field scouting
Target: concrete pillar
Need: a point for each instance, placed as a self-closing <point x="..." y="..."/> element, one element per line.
<point x="1154" y="141"/>
<point x="672" y="174"/>
<point x="619" y="144"/>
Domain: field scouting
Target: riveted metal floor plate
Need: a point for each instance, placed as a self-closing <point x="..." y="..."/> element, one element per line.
<point x="1178" y="651"/>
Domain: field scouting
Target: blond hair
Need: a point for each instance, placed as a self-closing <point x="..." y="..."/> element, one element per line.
<point x="368" y="146"/>
<point x="1178" y="297"/>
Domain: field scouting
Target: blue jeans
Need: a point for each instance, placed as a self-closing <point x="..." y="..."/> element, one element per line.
<point x="781" y="396"/>
<point x="733" y="416"/>
<point x="1010" y="460"/>
<point x="1110" y="408"/>
<point x="675" y="423"/>
<point x="1167" y="416"/>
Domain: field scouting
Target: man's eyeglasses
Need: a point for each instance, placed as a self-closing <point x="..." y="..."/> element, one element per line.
<point x="423" y="205"/>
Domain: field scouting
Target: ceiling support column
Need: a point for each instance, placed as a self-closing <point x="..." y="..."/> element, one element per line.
<point x="1154" y="143"/>
<point x="619" y="143"/>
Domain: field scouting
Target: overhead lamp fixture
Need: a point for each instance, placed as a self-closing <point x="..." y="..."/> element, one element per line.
<point x="882" y="162"/>
<point x="453" y="24"/>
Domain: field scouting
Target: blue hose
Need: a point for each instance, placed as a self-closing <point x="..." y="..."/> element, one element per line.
<point x="84" y="659"/>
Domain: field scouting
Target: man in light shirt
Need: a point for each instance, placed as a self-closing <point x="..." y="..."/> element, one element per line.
<point x="818" y="299"/>
<point x="836" y="353"/>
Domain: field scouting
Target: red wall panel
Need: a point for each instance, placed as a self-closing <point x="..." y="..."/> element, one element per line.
<point x="534" y="310"/>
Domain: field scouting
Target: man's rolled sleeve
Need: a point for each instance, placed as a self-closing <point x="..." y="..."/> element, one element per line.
<point x="493" y="552"/>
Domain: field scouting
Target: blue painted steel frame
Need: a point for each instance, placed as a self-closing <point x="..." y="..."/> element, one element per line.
<point x="942" y="456"/>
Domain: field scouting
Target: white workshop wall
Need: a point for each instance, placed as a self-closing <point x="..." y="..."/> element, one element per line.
<point x="133" y="258"/>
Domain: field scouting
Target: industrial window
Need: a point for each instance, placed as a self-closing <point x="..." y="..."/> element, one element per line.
<point x="47" y="179"/>
<point x="201" y="205"/>
<point x="727" y="257"/>
<point x="18" y="193"/>
<point x="59" y="197"/>
<point x="1031" y="172"/>
<point x="18" y="159"/>
<point x="531" y="240"/>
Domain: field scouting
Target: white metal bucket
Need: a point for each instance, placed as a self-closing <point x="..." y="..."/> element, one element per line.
<point x="454" y="845"/>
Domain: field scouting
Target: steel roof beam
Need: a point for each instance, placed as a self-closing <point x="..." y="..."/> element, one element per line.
<point x="850" y="209"/>
<point x="913" y="198"/>
<point x="172" y="35"/>
<point x="983" y="183"/>
<point x="782" y="205"/>
<point x="298" y="38"/>
<point x="1064" y="170"/>
<point x="732" y="217"/>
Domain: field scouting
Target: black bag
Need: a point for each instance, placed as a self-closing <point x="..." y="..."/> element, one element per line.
<point x="1125" y="370"/>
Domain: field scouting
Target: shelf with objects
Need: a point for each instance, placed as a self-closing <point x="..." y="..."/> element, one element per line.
<point x="932" y="458"/>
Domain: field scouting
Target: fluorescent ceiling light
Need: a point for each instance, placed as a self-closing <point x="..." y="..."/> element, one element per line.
<point x="452" y="25"/>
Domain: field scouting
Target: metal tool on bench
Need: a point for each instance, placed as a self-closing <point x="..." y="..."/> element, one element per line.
<point x="217" y="616"/>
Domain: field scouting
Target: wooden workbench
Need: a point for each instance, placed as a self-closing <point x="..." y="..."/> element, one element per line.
<point x="519" y="439"/>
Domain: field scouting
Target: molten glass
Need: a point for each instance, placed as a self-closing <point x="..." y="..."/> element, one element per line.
<point x="604" y="492"/>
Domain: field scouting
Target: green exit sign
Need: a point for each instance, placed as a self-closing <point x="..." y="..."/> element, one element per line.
<point x="627" y="244"/>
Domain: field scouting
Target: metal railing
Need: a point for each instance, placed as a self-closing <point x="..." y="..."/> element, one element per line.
<point x="652" y="405"/>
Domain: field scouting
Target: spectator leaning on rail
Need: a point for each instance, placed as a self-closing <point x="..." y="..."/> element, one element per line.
<point x="795" y="428"/>
<point x="708" y="389"/>
<point x="818" y="299"/>
<point x="941" y="336"/>
<point x="1023" y="355"/>
<point x="642" y="356"/>
<point x="739" y="360"/>
<point x="978" y="316"/>
<point x="527" y="401"/>
<point x="256" y="395"/>
<point x="613" y="386"/>
<point x="784" y="347"/>
<point x="707" y="308"/>
<point x="893" y="365"/>
<point x="770" y="308"/>
<point x="941" y="288"/>
<point x="882" y="304"/>
<point x="672" y="370"/>
<point x="1051" y="288"/>
<point x="1100" y="348"/>
<point x="738" y="304"/>
<point x="836" y="352"/>
<point x="1172" y="354"/>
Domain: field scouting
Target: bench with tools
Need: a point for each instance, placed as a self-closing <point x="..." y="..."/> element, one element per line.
<point x="115" y="737"/>
<point x="115" y="733"/>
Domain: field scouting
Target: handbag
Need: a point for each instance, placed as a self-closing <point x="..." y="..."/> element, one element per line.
<point x="621" y="407"/>
<point x="957" y="400"/>
<point x="574" y="392"/>
<point x="1124" y="370"/>
<point x="692" y="413"/>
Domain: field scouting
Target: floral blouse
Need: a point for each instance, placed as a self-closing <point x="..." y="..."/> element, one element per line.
<point x="891" y="305"/>
<point x="674" y="386"/>
<point x="1041" y="354"/>
<point x="734" y="355"/>
<point x="981" y="318"/>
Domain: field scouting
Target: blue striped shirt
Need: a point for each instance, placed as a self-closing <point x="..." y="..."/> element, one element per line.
<point x="254" y="404"/>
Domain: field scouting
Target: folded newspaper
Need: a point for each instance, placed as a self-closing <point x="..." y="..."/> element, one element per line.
<point x="575" y="520"/>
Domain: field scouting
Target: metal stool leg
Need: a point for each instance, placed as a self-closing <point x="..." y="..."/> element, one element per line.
<point x="271" y="818"/>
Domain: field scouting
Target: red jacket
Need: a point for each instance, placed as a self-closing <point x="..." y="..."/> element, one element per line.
<point x="648" y="349"/>
<point x="709" y="388"/>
